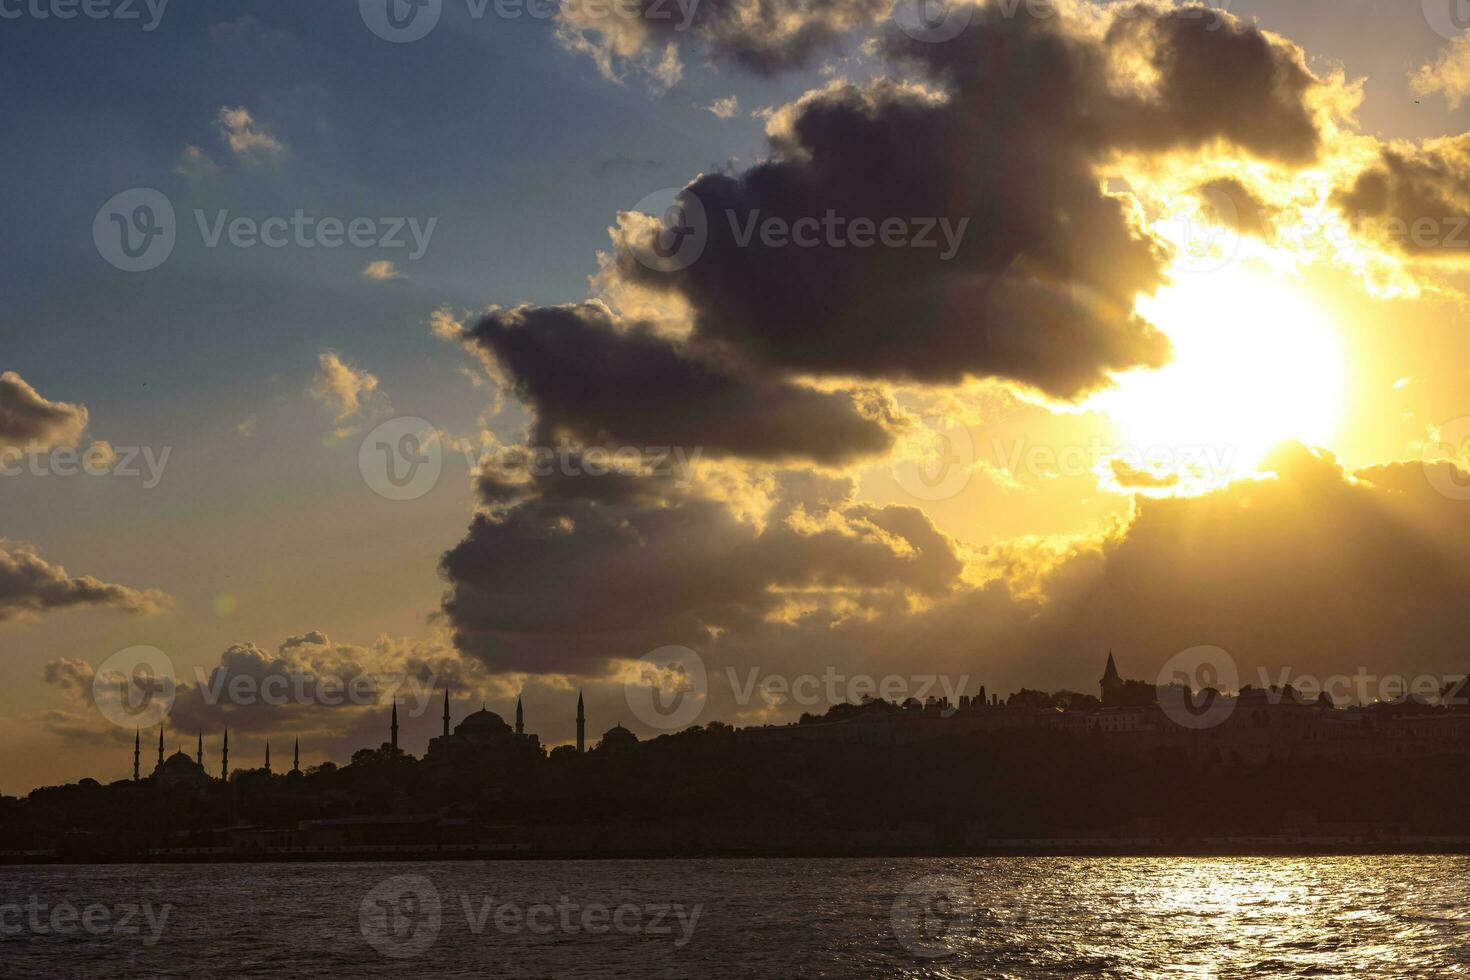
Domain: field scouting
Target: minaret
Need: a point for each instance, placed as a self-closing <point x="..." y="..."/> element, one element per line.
<point x="296" y="758"/>
<point x="581" y="724"/>
<point x="520" y="718"/>
<point x="160" y="745"/>
<point x="199" y="753"/>
<point x="1111" y="681"/>
<point x="394" y="741"/>
<point x="224" y="759"/>
<point x="267" y="757"/>
<point x="446" y="712"/>
<point x="137" y="754"/>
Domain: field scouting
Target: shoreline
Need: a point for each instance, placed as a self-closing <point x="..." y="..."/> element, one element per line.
<point x="1031" y="847"/>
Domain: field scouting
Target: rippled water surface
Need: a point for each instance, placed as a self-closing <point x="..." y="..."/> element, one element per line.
<point x="1355" y="917"/>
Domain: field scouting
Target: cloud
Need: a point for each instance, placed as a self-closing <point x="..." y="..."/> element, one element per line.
<point x="245" y="136"/>
<point x="726" y="108"/>
<point x="777" y="353"/>
<point x="1209" y="76"/>
<point x="1449" y="74"/>
<point x="591" y="569"/>
<point x="1026" y="296"/>
<point x="348" y="392"/>
<point x="381" y="271"/>
<point x="334" y="696"/>
<point x="29" y="586"/>
<point x="762" y="36"/>
<point x="591" y="377"/>
<point x="1233" y="205"/>
<point x="1129" y="477"/>
<point x="1033" y="268"/>
<point x="196" y="164"/>
<point x="1414" y="199"/>
<point x="27" y="419"/>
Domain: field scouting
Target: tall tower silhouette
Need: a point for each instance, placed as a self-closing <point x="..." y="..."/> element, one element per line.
<point x="296" y="757"/>
<point x="394" y="741"/>
<point x="137" y="754"/>
<point x="520" y="718"/>
<point x="199" y="753"/>
<point x="1111" y="683"/>
<point x="581" y="725"/>
<point x="224" y="759"/>
<point x="446" y="711"/>
<point x="267" y="757"/>
<point x="160" y="744"/>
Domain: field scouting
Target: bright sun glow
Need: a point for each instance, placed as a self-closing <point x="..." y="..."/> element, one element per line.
<point x="1255" y="362"/>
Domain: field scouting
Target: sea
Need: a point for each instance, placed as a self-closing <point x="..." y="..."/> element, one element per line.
<point x="1268" y="917"/>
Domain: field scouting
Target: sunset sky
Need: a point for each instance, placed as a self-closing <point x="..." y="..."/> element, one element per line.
<point x="1197" y="364"/>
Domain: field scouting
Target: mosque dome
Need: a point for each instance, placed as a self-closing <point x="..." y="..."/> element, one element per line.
<point x="618" y="735"/>
<point x="482" y="722"/>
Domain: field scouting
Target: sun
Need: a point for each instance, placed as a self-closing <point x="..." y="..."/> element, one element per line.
<point x="1256" y="362"/>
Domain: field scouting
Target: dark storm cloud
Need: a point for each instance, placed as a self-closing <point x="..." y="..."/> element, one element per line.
<point x="595" y="379"/>
<point x="1218" y="78"/>
<point x="30" y="585"/>
<point x="1040" y="287"/>
<point x="566" y="583"/>
<point x="1415" y="199"/>
<point x="1233" y="205"/>
<point x="27" y="419"/>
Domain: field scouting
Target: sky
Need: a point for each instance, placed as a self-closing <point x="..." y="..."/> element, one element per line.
<point x="1165" y="347"/>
